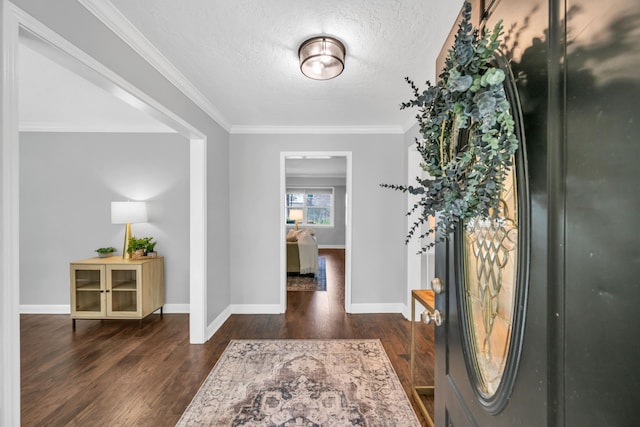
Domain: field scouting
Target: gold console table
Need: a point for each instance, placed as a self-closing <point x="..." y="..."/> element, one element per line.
<point x="426" y="299"/>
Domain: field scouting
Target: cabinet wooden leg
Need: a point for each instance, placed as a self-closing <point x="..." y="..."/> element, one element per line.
<point x="73" y="324"/>
<point x="161" y="308"/>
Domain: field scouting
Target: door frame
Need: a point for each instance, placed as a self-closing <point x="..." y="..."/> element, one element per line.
<point x="16" y="22"/>
<point x="414" y="261"/>
<point x="283" y="226"/>
<point x="419" y="268"/>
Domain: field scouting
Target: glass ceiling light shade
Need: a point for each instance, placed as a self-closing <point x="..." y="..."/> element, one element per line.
<point x="321" y="58"/>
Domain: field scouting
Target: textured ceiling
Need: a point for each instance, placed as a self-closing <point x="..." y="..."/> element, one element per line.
<point x="242" y="55"/>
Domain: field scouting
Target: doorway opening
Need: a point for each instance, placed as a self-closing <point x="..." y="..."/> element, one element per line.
<point x="18" y="25"/>
<point x="315" y="187"/>
<point x="46" y="42"/>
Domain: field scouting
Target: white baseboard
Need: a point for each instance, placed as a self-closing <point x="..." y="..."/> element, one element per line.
<point x="378" y="308"/>
<point x="255" y="309"/>
<point x="332" y="247"/>
<point x="176" y="308"/>
<point x="231" y="309"/>
<point x="355" y="309"/>
<point x="213" y="327"/>
<point x="45" y="309"/>
<point x="406" y="312"/>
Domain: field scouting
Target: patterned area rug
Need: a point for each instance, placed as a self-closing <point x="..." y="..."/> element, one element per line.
<point x="310" y="283"/>
<point x="309" y="383"/>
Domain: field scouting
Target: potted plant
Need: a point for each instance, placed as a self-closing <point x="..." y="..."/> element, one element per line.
<point x="137" y="246"/>
<point x="105" y="252"/>
<point x="151" y="248"/>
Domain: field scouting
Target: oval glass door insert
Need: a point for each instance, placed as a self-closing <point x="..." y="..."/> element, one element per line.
<point x="490" y="277"/>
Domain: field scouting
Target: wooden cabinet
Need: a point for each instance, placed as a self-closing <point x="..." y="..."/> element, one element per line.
<point x="116" y="288"/>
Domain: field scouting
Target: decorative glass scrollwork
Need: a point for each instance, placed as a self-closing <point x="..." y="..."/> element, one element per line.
<point x="493" y="271"/>
<point x="490" y="275"/>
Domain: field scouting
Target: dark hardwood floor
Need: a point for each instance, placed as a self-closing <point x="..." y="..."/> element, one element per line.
<point x="114" y="373"/>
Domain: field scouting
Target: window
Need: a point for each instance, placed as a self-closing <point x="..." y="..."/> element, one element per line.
<point x="316" y="205"/>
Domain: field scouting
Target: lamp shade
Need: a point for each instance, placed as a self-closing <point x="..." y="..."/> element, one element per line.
<point x="128" y="212"/>
<point x="296" y="214"/>
<point x="321" y="58"/>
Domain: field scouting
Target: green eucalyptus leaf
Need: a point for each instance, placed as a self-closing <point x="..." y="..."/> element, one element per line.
<point x="467" y="134"/>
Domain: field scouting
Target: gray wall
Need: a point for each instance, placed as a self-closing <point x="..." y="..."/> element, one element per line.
<point x="328" y="236"/>
<point x="67" y="181"/>
<point x="378" y="214"/>
<point x="76" y="24"/>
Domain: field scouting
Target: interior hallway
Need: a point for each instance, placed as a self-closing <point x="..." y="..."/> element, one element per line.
<point x="114" y="373"/>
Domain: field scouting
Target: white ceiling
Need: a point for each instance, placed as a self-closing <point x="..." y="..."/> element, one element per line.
<point x="241" y="56"/>
<point x="55" y="99"/>
<point x="315" y="167"/>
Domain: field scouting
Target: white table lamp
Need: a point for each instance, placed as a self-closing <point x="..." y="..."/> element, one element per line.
<point x="128" y="213"/>
<point x="296" y="215"/>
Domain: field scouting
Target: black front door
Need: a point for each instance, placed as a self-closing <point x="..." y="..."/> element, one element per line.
<point x="566" y="352"/>
<point x="491" y="350"/>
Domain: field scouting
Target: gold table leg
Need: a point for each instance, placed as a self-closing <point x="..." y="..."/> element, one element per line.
<point x="417" y="391"/>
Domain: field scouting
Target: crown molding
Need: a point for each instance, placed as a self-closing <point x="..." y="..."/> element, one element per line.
<point x="317" y="130"/>
<point x="111" y="17"/>
<point x="75" y="128"/>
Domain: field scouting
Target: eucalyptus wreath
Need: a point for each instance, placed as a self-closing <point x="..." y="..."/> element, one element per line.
<point x="468" y="138"/>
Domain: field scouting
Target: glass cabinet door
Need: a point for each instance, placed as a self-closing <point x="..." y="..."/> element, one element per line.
<point x="88" y="290"/>
<point x="123" y="290"/>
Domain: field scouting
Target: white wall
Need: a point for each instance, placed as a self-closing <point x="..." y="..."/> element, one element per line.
<point x="378" y="215"/>
<point x="67" y="181"/>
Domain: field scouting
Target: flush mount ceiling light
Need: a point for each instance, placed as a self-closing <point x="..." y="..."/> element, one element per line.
<point x="321" y="58"/>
